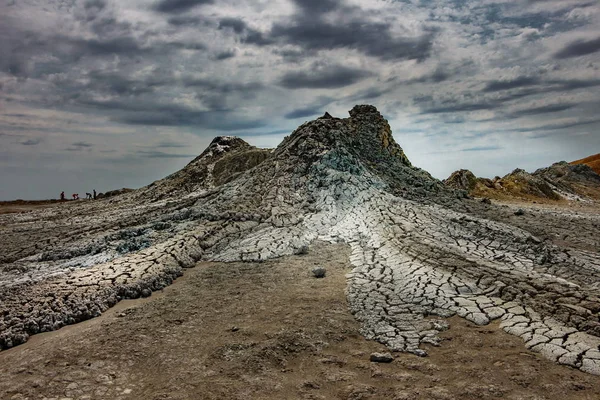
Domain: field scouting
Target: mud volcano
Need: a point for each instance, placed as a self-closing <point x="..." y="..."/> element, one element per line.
<point x="421" y="251"/>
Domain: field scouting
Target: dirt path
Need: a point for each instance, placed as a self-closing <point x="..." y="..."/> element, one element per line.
<point x="270" y="331"/>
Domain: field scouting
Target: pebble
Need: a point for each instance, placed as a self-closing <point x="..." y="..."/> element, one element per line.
<point x="381" y="357"/>
<point x="319" y="272"/>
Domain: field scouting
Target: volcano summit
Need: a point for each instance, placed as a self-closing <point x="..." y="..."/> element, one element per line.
<point x="420" y="251"/>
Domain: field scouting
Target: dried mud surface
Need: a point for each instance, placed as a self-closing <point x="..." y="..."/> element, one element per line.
<point x="271" y="331"/>
<point x="420" y="252"/>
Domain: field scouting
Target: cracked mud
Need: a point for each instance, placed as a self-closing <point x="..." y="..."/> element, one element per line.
<point x="418" y="249"/>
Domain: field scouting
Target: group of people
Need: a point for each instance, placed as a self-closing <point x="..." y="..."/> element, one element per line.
<point x="75" y="196"/>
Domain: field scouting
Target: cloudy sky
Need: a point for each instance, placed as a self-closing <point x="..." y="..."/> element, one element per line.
<point x="106" y="94"/>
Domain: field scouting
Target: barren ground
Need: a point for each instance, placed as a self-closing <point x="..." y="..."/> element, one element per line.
<point x="293" y="338"/>
<point x="17" y="206"/>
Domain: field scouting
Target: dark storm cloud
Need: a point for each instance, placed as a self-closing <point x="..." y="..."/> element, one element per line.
<point x="550" y="108"/>
<point x="511" y="15"/>
<point x="30" y="142"/>
<point x="455" y="119"/>
<point x="303" y="112"/>
<point x="201" y="119"/>
<point x="371" y="38"/>
<point x="521" y="88"/>
<point x="317" y="107"/>
<point x="519" y="82"/>
<point x="97" y="4"/>
<point x="105" y="23"/>
<point x="17" y="115"/>
<point x="117" y="87"/>
<point x="63" y="50"/>
<point x="574" y="84"/>
<point x="247" y="34"/>
<point x="178" y="6"/>
<point x="558" y="126"/>
<point x="127" y="46"/>
<point x="291" y="55"/>
<point x="257" y="38"/>
<point x="470" y="104"/>
<point x="224" y="55"/>
<point x="161" y="154"/>
<point x="82" y="144"/>
<point x="236" y="24"/>
<point x="165" y="144"/>
<point x="482" y="148"/>
<point x="309" y="30"/>
<point x="152" y="112"/>
<point x="498" y="94"/>
<point x="113" y="83"/>
<point x="330" y="76"/>
<point x="184" y="20"/>
<point x="579" y="48"/>
<point x="186" y="45"/>
<point x="206" y="86"/>
<point x="369" y="94"/>
<point x="437" y="76"/>
<point x="459" y="107"/>
<point x="119" y="45"/>
<point x="317" y="6"/>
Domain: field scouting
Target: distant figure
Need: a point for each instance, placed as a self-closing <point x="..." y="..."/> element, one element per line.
<point x="62" y="196"/>
<point x="94" y="194"/>
<point x="75" y="196"/>
<point x="88" y="196"/>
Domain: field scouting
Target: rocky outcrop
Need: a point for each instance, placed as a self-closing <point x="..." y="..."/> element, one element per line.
<point x="224" y="158"/>
<point x="462" y="179"/>
<point x="571" y="181"/>
<point x="561" y="181"/>
<point x="592" y="161"/>
<point x="421" y="252"/>
<point x="521" y="183"/>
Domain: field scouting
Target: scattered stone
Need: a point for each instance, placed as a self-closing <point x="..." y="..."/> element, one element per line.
<point x="520" y="211"/>
<point x="381" y="357"/>
<point x="319" y="272"/>
<point x="302" y="250"/>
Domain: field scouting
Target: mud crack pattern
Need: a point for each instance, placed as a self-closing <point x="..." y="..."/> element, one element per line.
<point x="420" y="252"/>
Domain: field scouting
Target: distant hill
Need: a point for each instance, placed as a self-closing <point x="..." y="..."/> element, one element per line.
<point x="592" y="161"/>
<point x="560" y="181"/>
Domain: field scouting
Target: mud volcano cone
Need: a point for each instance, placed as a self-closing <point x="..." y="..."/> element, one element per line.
<point x="421" y="252"/>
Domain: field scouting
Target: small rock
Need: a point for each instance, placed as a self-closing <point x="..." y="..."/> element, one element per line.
<point x="381" y="357"/>
<point x="234" y="329"/>
<point x="485" y="200"/>
<point x="302" y="250"/>
<point x="318" y="272"/>
<point x="519" y="212"/>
